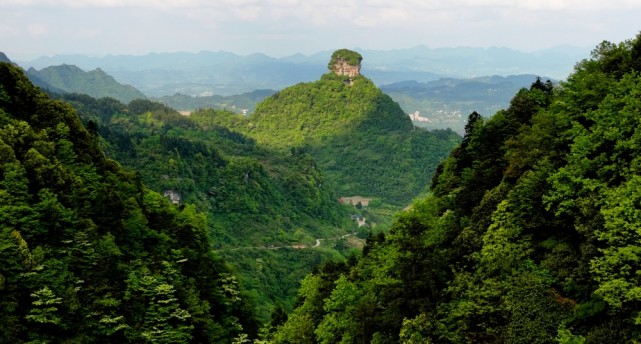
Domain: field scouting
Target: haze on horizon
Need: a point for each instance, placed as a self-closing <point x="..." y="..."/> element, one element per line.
<point x="32" y="28"/>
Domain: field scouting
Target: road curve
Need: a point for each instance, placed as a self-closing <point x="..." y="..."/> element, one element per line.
<point x="267" y="247"/>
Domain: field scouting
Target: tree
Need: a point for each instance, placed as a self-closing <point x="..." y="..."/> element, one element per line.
<point x="164" y="320"/>
<point x="45" y="314"/>
<point x="339" y="323"/>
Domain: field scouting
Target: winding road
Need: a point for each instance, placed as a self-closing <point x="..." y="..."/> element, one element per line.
<point x="295" y="246"/>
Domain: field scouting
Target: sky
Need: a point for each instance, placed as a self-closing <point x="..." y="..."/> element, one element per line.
<point x="33" y="28"/>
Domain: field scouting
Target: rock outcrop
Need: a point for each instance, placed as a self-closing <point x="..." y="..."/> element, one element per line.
<point x="342" y="67"/>
<point x="346" y="62"/>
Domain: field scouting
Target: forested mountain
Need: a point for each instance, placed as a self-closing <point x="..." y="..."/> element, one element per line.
<point x="71" y="79"/>
<point x="442" y="103"/>
<point x="88" y="254"/>
<point x="362" y="140"/>
<point x="531" y="234"/>
<point x="252" y="198"/>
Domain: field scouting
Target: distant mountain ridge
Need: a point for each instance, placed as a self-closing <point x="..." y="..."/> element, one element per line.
<point x="72" y="79"/>
<point x="443" y="102"/>
<point x="446" y="102"/>
<point x="224" y="73"/>
<point x="245" y="102"/>
<point x="447" y="83"/>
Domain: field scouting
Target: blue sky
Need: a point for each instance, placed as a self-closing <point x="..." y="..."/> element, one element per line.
<point x="31" y="28"/>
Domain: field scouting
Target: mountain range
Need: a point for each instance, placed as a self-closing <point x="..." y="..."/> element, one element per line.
<point x="446" y="102"/>
<point x="224" y="73"/>
<point x="438" y="104"/>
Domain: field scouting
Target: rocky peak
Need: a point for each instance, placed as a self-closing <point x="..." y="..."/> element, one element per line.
<point x="346" y="62"/>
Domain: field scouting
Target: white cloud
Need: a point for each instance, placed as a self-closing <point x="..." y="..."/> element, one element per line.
<point x="294" y="25"/>
<point x="7" y="31"/>
<point x="320" y="5"/>
<point x="360" y="13"/>
<point x="575" y="5"/>
<point x="246" y="13"/>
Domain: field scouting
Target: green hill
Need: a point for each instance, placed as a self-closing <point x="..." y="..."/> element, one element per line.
<point x="87" y="253"/>
<point x="362" y="140"/>
<point x="531" y="234"/>
<point x="72" y="79"/>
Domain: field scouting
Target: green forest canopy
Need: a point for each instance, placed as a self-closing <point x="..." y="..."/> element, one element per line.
<point x="87" y="252"/>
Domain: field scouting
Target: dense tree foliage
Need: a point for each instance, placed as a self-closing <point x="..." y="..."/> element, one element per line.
<point x="531" y="234"/>
<point x="87" y="253"/>
<point x="351" y="57"/>
<point x="253" y="198"/>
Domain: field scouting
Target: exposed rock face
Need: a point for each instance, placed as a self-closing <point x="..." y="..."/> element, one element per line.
<point x="173" y="196"/>
<point x="342" y="67"/>
<point x="346" y="62"/>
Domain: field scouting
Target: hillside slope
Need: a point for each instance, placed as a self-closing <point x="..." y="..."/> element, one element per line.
<point x="531" y="234"/>
<point x="87" y="253"/>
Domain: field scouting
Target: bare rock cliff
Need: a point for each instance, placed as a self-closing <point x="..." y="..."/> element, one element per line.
<point x="342" y="67"/>
<point x="347" y="63"/>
